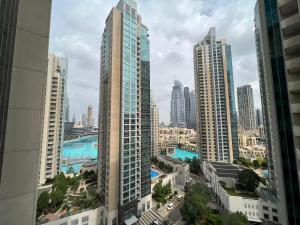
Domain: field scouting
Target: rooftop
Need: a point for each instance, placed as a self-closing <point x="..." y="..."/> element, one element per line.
<point x="226" y="169"/>
<point x="174" y="161"/>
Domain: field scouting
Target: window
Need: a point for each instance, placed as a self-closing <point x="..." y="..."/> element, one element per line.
<point x="85" y="219"/>
<point x="274" y="210"/>
<point x="74" y="222"/>
<point x="275" y="218"/>
<point x="266" y="216"/>
<point x="265" y="207"/>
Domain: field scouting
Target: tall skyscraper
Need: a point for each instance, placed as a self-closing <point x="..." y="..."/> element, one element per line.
<point x="259" y="117"/>
<point x="54" y="117"/>
<point x="192" y="120"/>
<point x="277" y="26"/>
<point x="177" y="115"/>
<point x="83" y="120"/>
<point x="155" y="129"/>
<point x="90" y="122"/>
<point x="24" y="37"/>
<point x="187" y="105"/>
<point x="246" y="107"/>
<point x="124" y="115"/>
<point x="213" y="99"/>
<point x="231" y="93"/>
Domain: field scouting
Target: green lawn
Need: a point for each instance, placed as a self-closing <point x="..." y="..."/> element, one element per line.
<point x="232" y="192"/>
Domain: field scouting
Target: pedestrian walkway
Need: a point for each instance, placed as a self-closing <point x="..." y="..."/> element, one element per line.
<point x="149" y="216"/>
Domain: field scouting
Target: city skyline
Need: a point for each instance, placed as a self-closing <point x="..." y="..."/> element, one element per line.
<point x="178" y="39"/>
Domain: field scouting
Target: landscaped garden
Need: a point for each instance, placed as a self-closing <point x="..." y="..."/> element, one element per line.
<point x="195" y="209"/>
<point x="162" y="192"/>
<point x="68" y="195"/>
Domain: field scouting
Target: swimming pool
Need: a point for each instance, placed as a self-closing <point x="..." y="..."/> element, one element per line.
<point x="183" y="154"/>
<point x="154" y="174"/>
<point x="84" y="147"/>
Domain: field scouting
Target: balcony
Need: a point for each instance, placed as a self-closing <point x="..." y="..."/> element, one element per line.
<point x="297" y="131"/>
<point x="291" y="25"/>
<point x="294" y="87"/>
<point x="295" y="108"/>
<point x="293" y="65"/>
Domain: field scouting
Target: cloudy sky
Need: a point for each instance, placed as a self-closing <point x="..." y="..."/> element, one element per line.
<point x="175" y="27"/>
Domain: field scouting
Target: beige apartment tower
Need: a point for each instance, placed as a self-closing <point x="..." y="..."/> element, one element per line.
<point x="53" y="126"/>
<point x="24" y="38"/>
<point x="213" y="99"/>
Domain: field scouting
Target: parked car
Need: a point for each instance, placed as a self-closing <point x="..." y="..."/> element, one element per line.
<point x="155" y="222"/>
<point x="170" y="206"/>
<point x="179" y="197"/>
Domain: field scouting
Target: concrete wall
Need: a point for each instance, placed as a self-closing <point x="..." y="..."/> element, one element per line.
<point x="25" y="114"/>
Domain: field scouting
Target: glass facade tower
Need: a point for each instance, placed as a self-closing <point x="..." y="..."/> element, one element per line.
<point x="124" y="120"/>
<point x="277" y="39"/>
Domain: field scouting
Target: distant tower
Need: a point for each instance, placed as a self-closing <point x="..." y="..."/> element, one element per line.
<point x="246" y="107"/>
<point x="90" y="116"/>
<point x="83" y="120"/>
<point x="214" y="98"/>
<point x="187" y="105"/>
<point x="53" y="130"/>
<point x="259" y="117"/>
<point x="178" y="118"/>
<point x="192" y="117"/>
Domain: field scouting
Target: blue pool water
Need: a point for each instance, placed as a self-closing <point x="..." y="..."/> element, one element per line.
<point x="154" y="174"/>
<point x="183" y="154"/>
<point x="85" y="147"/>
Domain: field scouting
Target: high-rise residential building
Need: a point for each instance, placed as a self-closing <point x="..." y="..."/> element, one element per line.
<point x="124" y="116"/>
<point x="246" y="107"/>
<point x="187" y="105"/>
<point x="192" y="120"/>
<point x="90" y="121"/>
<point x="259" y="117"/>
<point x="155" y="129"/>
<point x="74" y="118"/>
<point x="177" y="115"/>
<point x="213" y="96"/>
<point x="54" y="117"/>
<point x="24" y="37"/>
<point x="277" y="26"/>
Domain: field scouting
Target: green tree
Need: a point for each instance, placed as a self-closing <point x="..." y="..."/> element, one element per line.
<point x="248" y="179"/>
<point x="195" y="166"/>
<point x="57" y="198"/>
<point x="42" y="203"/>
<point x="256" y="164"/>
<point x="213" y="219"/>
<point x="245" y="162"/>
<point x="70" y="170"/>
<point x="194" y="208"/>
<point x="236" y="218"/>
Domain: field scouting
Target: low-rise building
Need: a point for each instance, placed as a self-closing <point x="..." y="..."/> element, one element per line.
<point x="181" y="169"/>
<point x="88" y="217"/>
<point x="222" y="178"/>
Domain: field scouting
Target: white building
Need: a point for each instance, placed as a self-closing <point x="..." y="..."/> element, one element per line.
<point x="228" y="198"/>
<point x="53" y="124"/>
<point x="88" y="217"/>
